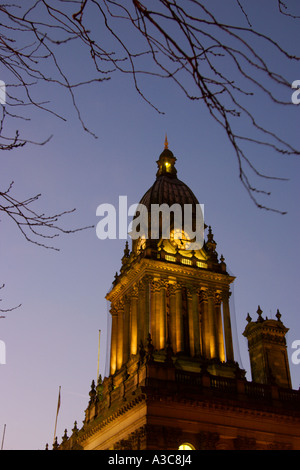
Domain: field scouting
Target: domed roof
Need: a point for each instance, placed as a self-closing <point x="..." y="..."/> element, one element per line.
<point x="168" y="189"/>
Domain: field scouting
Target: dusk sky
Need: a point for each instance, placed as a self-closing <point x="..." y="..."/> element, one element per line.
<point x="52" y="339"/>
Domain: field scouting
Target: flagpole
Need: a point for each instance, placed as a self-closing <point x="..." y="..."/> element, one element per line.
<point x="58" y="406"/>
<point x="3" y="436"/>
<point x="98" y="356"/>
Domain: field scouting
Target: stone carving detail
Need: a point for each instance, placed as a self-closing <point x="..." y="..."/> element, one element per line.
<point x="191" y="290"/>
<point x="203" y="295"/>
<point x="136" y="441"/>
<point x="210" y="293"/>
<point x="163" y="437"/>
<point x="158" y="284"/>
<point x="173" y="288"/>
<point x="225" y="295"/>
<point x="208" y="440"/>
<point x="280" y="446"/>
<point x="113" y="310"/>
<point x="135" y="291"/>
<point x="244" y="443"/>
<point x="119" y="306"/>
<point x="218" y="298"/>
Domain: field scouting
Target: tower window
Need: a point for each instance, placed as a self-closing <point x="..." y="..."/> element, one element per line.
<point x="170" y="258"/>
<point x="186" y="446"/>
<point x="201" y="265"/>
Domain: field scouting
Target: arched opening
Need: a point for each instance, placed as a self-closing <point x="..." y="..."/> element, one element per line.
<point x="186" y="446"/>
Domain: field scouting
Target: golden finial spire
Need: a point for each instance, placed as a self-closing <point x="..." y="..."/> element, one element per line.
<point x="166" y="142"/>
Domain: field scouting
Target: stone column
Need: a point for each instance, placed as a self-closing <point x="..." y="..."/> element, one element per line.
<point x="172" y="293"/>
<point x="141" y="314"/>
<point x="191" y="321"/>
<point x="179" y="319"/>
<point x="205" y="324"/>
<point x="219" y="328"/>
<point x="162" y="312"/>
<point x="195" y="306"/>
<point x="120" y="333"/>
<point x="126" y="329"/>
<point x="133" y="320"/>
<point x="113" y="344"/>
<point x="212" y="324"/>
<point x="145" y="310"/>
<point x="154" y="313"/>
<point x="227" y="326"/>
<point x="200" y="319"/>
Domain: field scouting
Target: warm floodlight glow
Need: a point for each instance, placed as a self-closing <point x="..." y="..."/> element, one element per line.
<point x="186" y="447"/>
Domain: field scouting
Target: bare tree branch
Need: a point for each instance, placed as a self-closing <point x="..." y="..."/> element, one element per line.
<point x="34" y="226"/>
<point x="11" y="143"/>
<point x="284" y="10"/>
<point x="6" y="310"/>
<point x="218" y="64"/>
<point x="186" y="43"/>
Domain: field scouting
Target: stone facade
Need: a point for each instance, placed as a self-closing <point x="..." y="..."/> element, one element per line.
<point x="159" y="407"/>
<point x="173" y="376"/>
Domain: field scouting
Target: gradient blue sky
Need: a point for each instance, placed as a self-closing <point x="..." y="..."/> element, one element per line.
<point x="52" y="340"/>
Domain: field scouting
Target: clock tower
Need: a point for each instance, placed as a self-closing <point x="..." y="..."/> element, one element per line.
<point x="174" y="382"/>
<point x="175" y="298"/>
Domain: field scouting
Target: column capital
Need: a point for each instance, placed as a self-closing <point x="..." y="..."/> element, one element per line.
<point x="126" y="299"/>
<point x="134" y="293"/>
<point x="225" y="295"/>
<point x="113" y="310"/>
<point x="177" y="286"/>
<point x="144" y="283"/>
<point x="158" y="284"/>
<point x="211" y="292"/>
<point x="191" y="290"/>
<point x="120" y="305"/>
<point x="164" y="284"/>
<point x="203" y="295"/>
<point x="172" y="289"/>
<point x="147" y="279"/>
<point x="155" y="287"/>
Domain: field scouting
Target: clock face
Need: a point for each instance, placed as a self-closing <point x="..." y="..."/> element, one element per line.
<point x="179" y="238"/>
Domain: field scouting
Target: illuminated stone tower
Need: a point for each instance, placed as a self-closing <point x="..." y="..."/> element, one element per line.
<point x="267" y="349"/>
<point x="179" y="297"/>
<point x="174" y="382"/>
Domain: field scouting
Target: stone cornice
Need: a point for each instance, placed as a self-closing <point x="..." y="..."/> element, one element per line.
<point x="167" y="269"/>
<point x="149" y="395"/>
<point x="226" y="404"/>
<point x="99" y="423"/>
<point x="265" y="327"/>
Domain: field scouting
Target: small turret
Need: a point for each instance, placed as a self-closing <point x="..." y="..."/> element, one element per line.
<point x="166" y="162"/>
<point x="267" y="350"/>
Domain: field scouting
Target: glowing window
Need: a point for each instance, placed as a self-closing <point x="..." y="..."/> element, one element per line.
<point x="201" y="265"/>
<point x="186" y="446"/>
<point x="186" y="261"/>
<point x="170" y="258"/>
